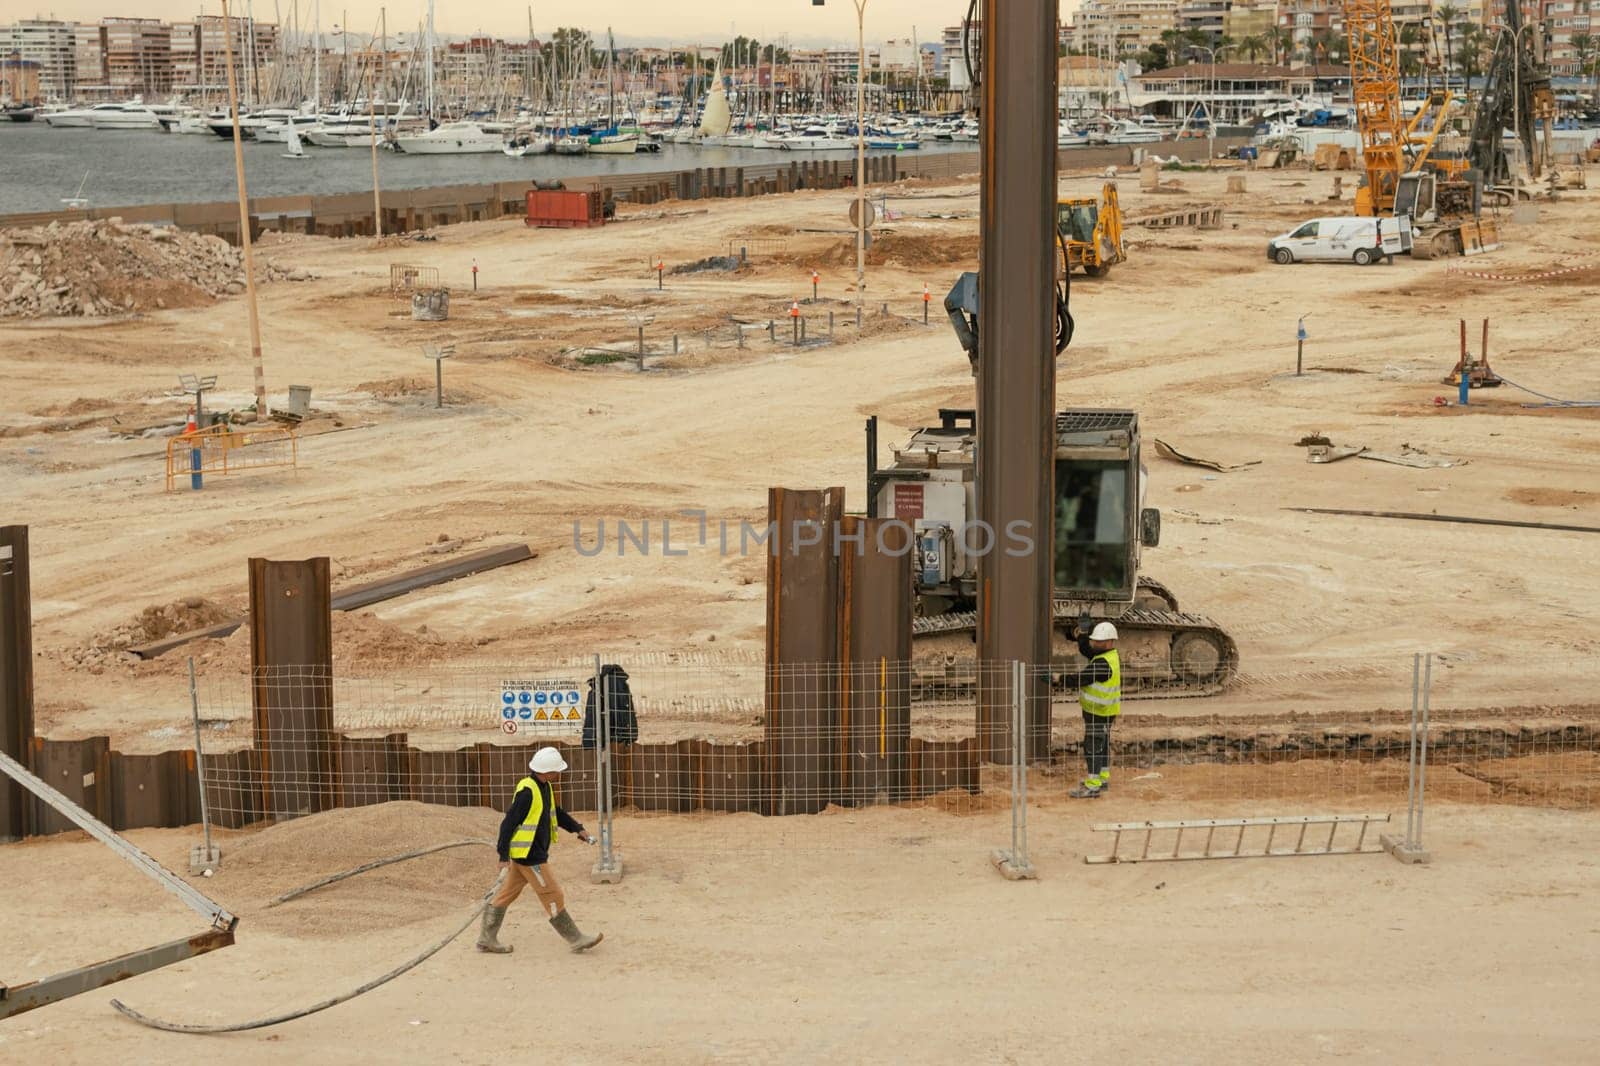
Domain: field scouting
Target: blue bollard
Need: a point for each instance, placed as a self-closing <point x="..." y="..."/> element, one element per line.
<point x="1466" y="378"/>
<point x="195" y="481"/>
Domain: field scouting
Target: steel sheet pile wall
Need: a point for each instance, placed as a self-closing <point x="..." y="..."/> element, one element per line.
<point x="875" y="598"/>
<point x="291" y="654"/>
<point x="802" y="699"/>
<point x="16" y="675"/>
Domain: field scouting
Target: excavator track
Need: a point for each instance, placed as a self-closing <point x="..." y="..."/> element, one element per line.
<point x="1200" y="658"/>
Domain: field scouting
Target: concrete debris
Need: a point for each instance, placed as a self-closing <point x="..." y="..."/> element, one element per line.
<point x="106" y="267"/>
<point x="715" y="262"/>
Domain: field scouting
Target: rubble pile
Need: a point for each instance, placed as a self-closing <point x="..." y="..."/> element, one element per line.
<point x="107" y="267"/>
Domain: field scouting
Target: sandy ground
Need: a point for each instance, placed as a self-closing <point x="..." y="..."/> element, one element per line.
<point x="866" y="936"/>
<point x="1196" y="330"/>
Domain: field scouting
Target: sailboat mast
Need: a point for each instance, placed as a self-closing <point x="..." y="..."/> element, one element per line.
<point x="316" y="56"/>
<point x="428" y="64"/>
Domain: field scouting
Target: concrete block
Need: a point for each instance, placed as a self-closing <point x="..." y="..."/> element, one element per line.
<point x="1396" y="846"/>
<point x="1012" y="869"/>
<point x="606" y="874"/>
<point x="203" y="861"/>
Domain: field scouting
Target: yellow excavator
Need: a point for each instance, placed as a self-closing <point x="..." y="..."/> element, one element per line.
<point x="1089" y="233"/>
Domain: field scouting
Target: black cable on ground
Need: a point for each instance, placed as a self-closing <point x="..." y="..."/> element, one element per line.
<point x="296" y="893"/>
<point x="410" y="964"/>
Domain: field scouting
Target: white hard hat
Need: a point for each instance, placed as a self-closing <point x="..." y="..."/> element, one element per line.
<point x="1104" y="631"/>
<point x="547" y="761"/>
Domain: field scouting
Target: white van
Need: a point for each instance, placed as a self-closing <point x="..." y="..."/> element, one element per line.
<point x="1344" y="240"/>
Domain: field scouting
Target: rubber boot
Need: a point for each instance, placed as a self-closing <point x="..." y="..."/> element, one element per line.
<point x="563" y="924"/>
<point x="488" y="938"/>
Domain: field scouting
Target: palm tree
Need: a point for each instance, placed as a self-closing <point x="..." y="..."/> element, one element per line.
<point x="1586" y="45"/>
<point x="1447" y="17"/>
<point x="1253" y="46"/>
<point x="1282" y="44"/>
<point x="1476" y="46"/>
<point x="1410" y="62"/>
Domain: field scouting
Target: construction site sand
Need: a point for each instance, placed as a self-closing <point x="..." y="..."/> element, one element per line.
<point x="1196" y="330"/>
<point x="879" y="935"/>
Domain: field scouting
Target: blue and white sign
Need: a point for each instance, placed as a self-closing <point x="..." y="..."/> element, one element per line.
<point x="542" y="707"/>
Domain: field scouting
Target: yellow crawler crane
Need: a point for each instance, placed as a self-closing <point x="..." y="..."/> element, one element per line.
<point x="1439" y="196"/>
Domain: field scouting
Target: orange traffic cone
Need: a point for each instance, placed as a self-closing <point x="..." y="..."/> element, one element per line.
<point x="794" y="309"/>
<point x="190" y="427"/>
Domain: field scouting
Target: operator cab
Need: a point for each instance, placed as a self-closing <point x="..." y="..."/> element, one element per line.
<point x="1100" y="520"/>
<point x="1077" y="219"/>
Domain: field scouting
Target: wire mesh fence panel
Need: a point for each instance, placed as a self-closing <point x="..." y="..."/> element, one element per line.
<point x="687" y="736"/>
<point x="1289" y="734"/>
<point x="698" y="738"/>
<point x="1513" y="726"/>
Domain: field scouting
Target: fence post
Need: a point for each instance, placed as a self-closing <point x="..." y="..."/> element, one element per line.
<point x="1014" y="865"/>
<point x="206" y="858"/>
<point x="1409" y="850"/>
<point x="607" y="870"/>
<point x="1422" y="756"/>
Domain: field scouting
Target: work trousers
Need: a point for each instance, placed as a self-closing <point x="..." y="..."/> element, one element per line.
<point x="541" y="879"/>
<point x="1097" y="749"/>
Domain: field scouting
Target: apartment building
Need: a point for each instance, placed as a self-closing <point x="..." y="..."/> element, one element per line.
<point x="52" y="46"/>
<point x="1207" y="16"/>
<point x="1122" y="26"/>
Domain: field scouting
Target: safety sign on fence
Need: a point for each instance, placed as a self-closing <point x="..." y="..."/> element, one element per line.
<point x="541" y="707"/>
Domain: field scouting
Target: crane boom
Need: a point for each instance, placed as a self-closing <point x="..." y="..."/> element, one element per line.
<point x="1375" y="97"/>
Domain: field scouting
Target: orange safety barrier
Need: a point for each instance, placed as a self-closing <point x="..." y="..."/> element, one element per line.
<point x="227" y="450"/>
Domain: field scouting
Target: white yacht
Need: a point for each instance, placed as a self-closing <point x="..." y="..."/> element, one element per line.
<point x="1126" y="132"/>
<point x="71" y="118"/>
<point x="452" y="138"/>
<point x="134" y="116"/>
<point x="817" y="139"/>
<point x="613" y="143"/>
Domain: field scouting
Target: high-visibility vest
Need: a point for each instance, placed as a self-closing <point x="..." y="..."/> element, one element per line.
<point x="522" y="839"/>
<point x="1104" y="698"/>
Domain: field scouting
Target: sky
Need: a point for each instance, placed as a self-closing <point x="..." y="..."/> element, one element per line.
<point x="635" y="21"/>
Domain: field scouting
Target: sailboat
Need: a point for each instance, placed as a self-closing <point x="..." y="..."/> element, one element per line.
<point x="716" y="119"/>
<point x="611" y="140"/>
<point x="291" y="137"/>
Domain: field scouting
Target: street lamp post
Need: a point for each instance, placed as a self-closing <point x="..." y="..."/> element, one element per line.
<point x="861" y="153"/>
<point x="1516" y="97"/>
<point x="1211" y="110"/>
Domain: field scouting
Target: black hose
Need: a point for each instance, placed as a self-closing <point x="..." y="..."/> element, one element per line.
<point x="296" y="893"/>
<point x="278" y="1019"/>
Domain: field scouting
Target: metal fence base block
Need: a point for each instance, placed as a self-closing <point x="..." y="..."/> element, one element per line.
<point x="1012" y="869"/>
<point x="1409" y="855"/>
<point x="606" y="874"/>
<point x="203" y="860"/>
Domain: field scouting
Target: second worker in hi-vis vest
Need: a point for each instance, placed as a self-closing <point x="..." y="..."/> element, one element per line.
<point x="526" y="835"/>
<point x="1100" y="698"/>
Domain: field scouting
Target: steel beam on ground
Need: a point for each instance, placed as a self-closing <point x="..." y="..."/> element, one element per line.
<point x="291" y="659"/>
<point x="1016" y="363"/>
<point x="16" y="675"/>
<point x="875" y="597"/>
<point x="367" y="593"/>
<point x="802" y="718"/>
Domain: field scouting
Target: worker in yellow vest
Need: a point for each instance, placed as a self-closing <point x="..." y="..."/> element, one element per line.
<point x="526" y="834"/>
<point x="1100" y="698"/>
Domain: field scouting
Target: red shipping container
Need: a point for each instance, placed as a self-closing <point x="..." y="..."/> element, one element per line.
<point x="559" y="208"/>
